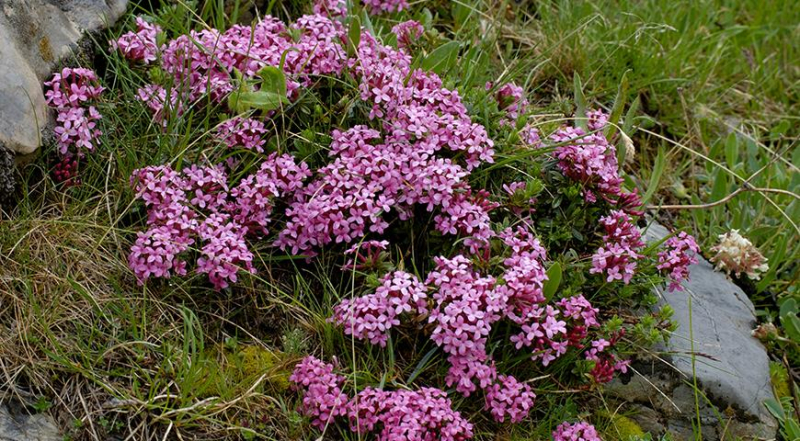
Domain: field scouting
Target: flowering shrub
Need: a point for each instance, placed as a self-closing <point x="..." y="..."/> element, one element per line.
<point x="405" y="163"/>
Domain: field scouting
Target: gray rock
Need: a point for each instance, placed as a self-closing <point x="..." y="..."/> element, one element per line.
<point x="19" y="426"/>
<point x="35" y="35"/>
<point x="731" y="366"/>
<point x="23" y="112"/>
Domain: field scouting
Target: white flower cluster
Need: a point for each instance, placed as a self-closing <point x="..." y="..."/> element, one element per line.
<point x="736" y="254"/>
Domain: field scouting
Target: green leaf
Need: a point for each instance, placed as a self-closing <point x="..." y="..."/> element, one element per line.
<point x="354" y="35"/>
<point x="732" y="150"/>
<point x="460" y="13"/>
<point x="791" y="324"/>
<point x="442" y="59"/>
<point x="580" y="103"/>
<point x="619" y="104"/>
<point x="627" y="125"/>
<point x="788" y="306"/>
<point x="421" y="365"/>
<point x="243" y="101"/>
<point x="553" y="280"/>
<point x="273" y="80"/>
<point x="791" y="429"/>
<point x="655" y="178"/>
<point x="720" y="188"/>
<point x="775" y="408"/>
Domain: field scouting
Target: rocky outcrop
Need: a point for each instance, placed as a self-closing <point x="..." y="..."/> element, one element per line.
<point x="34" y="36"/>
<point x="16" y="424"/>
<point x="714" y="345"/>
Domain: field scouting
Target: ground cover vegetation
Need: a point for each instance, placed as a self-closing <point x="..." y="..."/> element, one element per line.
<point x="404" y="221"/>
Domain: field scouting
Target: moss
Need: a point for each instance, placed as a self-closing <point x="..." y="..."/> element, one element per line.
<point x="620" y="427"/>
<point x="780" y="380"/>
<point x="257" y="361"/>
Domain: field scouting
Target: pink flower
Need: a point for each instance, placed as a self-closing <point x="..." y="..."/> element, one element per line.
<point x="140" y="45"/>
<point x="323" y="399"/>
<point x="407" y="32"/>
<point x="617" y="258"/>
<point x="580" y="431"/>
<point x="509" y="397"/>
<point x="680" y="252"/>
<point x="371" y="316"/>
<point x="241" y="132"/>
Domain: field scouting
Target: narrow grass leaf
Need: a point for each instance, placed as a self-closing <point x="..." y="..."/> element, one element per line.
<point x="655" y="178"/>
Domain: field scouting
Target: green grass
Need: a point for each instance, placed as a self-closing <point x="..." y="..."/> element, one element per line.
<point x="173" y="358"/>
<point x="719" y="86"/>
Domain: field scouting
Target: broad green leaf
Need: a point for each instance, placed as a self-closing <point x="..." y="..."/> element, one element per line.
<point x="243" y="101"/>
<point x="553" y="280"/>
<point x="775" y="408"/>
<point x="425" y="18"/>
<point x="655" y="178"/>
<point x="354" y="35"/>
<point x="580" y="103"/>
<point x="791" y="324"/>
<point x="720" y="188"/>
<point x="273" y="80"/>
<point x="788" y="306"/>
<point x="442" y="59"/>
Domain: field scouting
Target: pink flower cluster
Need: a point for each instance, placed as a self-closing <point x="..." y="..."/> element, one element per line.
<point x="509" y="397"/>
<point x="140" y="45"/>
<point x="70" y="92"/>
<point x="606" y="363"/>
<point x="622" y="243"/>
<point x="580" y="431"/>
<point x="383" y="6"/>
<point x="531" y="136"/>
<point x="242" y="132"/>
<point x="597" y="120"/>
<point x="467" y="305"/>
<point x="371" y="174"/>
<point x="323" y="399"/>
<point x="407" y="32"/>
<point x="550" y="330"/>
<point x="511" y="99"/>
<point x="590" y="160"/>
<point x="680" y="252"/>
<point x="197" y="205"/>
<point x="371" y="316"/>
<point x="425" y="414"/>
<point x="368" y="179"/>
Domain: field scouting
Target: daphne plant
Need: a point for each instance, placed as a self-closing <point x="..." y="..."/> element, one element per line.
<point x="407" y="163"/>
